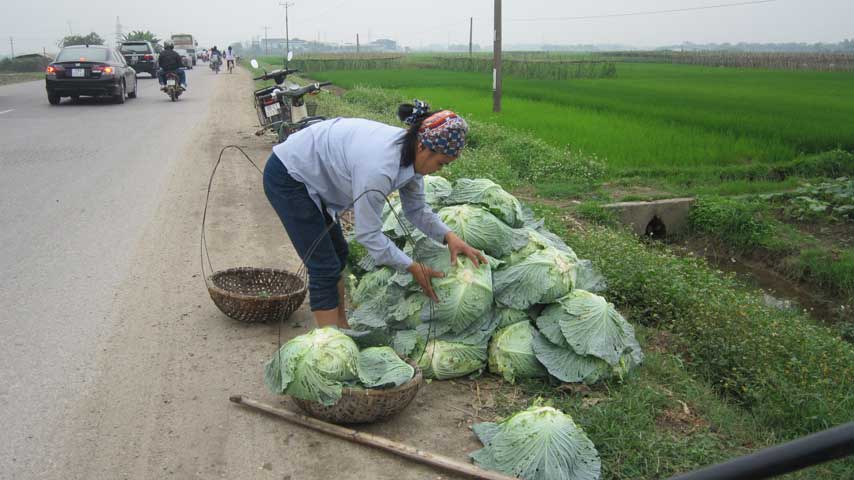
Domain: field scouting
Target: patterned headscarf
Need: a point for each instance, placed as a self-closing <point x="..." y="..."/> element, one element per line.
<point x="419" y="109"/>
<point x="444" y="132"/>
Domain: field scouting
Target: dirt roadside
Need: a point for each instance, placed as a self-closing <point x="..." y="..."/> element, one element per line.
<point x="10" y="78"/>
<point x="160" y="408"/>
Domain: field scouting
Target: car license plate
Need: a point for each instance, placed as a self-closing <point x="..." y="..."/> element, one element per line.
<point x="170" y="82"/>
<point x="78" y="72"/>
<point x="272" y="110"/>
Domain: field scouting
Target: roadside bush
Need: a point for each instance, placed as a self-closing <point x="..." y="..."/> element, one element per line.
<point x="832" y="164"/>
<point x="23" y="65"/>
<point x="831" y="270"/>
<point x="735" y="222"/>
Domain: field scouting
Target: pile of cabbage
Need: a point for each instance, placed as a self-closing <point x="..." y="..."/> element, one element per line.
<point x="318" y="365"/>
<point x="532" y="311"/>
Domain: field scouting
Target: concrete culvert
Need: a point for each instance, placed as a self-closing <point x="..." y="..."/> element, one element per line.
<point x="656" y="228"/>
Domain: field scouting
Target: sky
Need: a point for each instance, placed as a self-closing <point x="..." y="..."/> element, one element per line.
<point x="437" y="22"/>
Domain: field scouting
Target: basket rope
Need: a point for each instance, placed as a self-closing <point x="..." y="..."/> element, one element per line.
<point x="302" y="272"/>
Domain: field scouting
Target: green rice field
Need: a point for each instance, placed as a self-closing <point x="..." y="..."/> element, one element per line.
<point x="651" y="117"/>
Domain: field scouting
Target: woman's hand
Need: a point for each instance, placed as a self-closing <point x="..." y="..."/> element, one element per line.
<point x="457" y="246"/>
<point x="424" y="275"/>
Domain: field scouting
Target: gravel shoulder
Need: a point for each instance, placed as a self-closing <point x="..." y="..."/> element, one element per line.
<point x="159" y="407"/>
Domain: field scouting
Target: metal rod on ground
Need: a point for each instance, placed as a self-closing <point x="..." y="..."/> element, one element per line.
<point x="804" y="452"/>
<point x="381" y="443"/>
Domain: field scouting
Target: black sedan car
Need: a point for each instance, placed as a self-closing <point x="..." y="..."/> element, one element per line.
<point x="90" y="70"/>
<point x="140" y="55"/>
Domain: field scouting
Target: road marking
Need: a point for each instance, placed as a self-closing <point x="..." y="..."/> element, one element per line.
<point x="7" y="111"/>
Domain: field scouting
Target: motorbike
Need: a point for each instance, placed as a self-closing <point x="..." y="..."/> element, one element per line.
<point x="173" y="86"/>
<point x="281" y="108"/>
<point x="216" y="63"/>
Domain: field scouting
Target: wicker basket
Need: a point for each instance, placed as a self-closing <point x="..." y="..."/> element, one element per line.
<point x="252" y="294"/>
<point x="361" y="405"/>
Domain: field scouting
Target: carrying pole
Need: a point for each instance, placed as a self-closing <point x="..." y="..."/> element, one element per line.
<point x="375" y="441"/>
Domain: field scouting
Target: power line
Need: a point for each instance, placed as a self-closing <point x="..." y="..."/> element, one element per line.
<point x="649" y="12"/>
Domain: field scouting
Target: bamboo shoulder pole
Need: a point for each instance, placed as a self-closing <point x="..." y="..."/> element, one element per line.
<point x="375" y="441"/>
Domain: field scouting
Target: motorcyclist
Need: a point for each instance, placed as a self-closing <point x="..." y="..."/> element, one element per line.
<point x="170" y="61"/>
<point x="215" y="56"/>
<point x="229" y="58"/>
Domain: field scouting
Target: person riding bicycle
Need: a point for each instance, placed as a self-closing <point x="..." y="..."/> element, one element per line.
<point x="229" y="58"/>
<point x="170" y="61"/>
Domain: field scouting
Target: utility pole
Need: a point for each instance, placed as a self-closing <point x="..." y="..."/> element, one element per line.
<point x="287" y="35"/>
<point x="12" y="46"/>
<point x="496" y="61"/>
<point x="266" y="43"/>
<point x="471" y="27"/>
<point x="357" y="44"/>
<point x="118" y="32"/>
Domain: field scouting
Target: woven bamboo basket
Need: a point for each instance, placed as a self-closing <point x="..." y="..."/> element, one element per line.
<point x="364" y="405"/>
<point x="249" y="294"/>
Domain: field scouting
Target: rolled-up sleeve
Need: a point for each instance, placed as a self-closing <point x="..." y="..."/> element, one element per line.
<point x="417" y="211"/>
<point x="367" y="211"/>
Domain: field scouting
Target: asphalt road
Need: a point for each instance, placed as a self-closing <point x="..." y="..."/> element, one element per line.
<point x="78" y="183"/>
<point x="114" y="363"/>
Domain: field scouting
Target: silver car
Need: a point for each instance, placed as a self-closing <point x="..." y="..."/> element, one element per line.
<point x="186" y="59"/>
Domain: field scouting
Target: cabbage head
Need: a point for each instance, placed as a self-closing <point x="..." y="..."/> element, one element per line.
<point x="489" y="195"/>
<point x="391" y="227"/>
<point x="465" y="292"/>
<point x="587" y="354"/>
<point x="481" y="229"/>
<point x="478" y="333"/>
<point x="436" y="189"/>
<point x="563" y="363"/>
<point x="371" y="285"/>
<point x="314" y="366"/>
<point x="381" y="367"/>
<point x="592" y="326"/>
<point x="540" y="443"/>
<point x="536" y="242"/>
<point x="465" y="295"/>
<point x="511" y="354"/>
<point x="509" y="316"/>
<point x="443" y="360"/>
<point x="542" y="277"/>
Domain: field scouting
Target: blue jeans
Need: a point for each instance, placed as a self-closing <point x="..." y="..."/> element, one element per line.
<point x="182" y="76"/>
<point x="305" y="223"/>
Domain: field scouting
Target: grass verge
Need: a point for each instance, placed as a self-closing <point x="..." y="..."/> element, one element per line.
<point x="781" y="376"/>
<point x="10" y="78"/>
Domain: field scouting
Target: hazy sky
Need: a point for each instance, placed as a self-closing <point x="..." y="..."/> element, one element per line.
<point x="413" y="23"/>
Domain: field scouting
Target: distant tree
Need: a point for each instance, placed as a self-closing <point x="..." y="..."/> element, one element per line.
<point x="140" y="35"/>
<point x="91" y="39"/>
